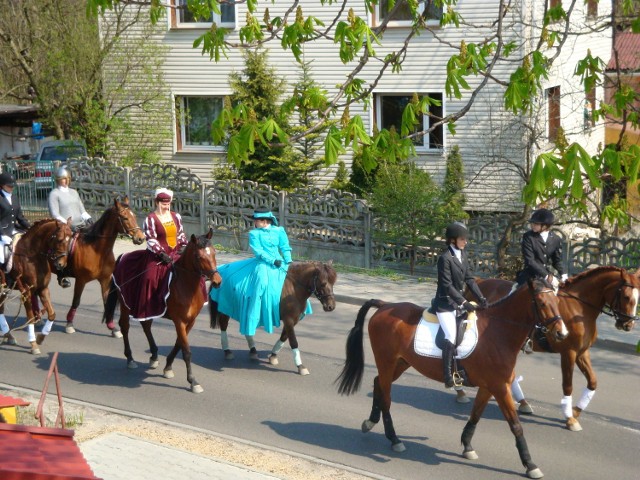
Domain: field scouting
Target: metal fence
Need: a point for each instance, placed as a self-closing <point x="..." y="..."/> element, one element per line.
<point x="34" y="181"/>
<point x="321" y="224"/>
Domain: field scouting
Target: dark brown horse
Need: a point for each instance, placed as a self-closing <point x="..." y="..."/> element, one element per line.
<point x="43" y="246"/>
<point x="582" y="298"/>
<point x="92" y="254"/>
<point x="501" y="328"/>
<point x="186" y="298"/>
<point x="303" y="280"/>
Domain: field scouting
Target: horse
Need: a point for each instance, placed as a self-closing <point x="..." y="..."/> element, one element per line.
<point x="502" y="327"/>
<point x="303" y="280"/>
<point x="582" y="298"/>
<point x="42" y="247"/>
<point x="184" y="303"/>
<point x="92" y="254"/>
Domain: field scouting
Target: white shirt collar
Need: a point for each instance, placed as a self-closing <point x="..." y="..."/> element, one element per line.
<point x="63" y="188"/>
<point x="456" y="252"/>
<point x="545" y="235"/>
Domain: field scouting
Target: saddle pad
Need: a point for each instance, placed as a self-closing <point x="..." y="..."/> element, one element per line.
<point x="424" y="342"/>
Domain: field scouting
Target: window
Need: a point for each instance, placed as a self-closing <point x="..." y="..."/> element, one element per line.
<point x="553" y="112"/>
<point x="389" y="109"/>
<point x="592" y="9"/>
<point x="183" y="18"/>
<point x="194" y="118"/>
<point x="589" y="107"/>
<point x="402" y="15"/>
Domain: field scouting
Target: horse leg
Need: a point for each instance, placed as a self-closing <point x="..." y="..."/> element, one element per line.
<point x="105" y="286"/>
<point x="153" y="348"/>
<point x="382" y="404"/>
<point x="461" y="396"/>
<point x="505" y="402"/>
<point x="51" y="315"/>
<point x="288" y="331"/>
<point x="273" y="356"/>
<point x="253" y="351"/>
<point x="584" y="364"/>
<point x="518" y="396"/>
<point x="124" y="328"/>
<point x="223" y="321"/>
<point x="482" y="398"/>
<point x="182" y="342"/>
<point x="78" y="287"/>
<point x="567" y="362"/>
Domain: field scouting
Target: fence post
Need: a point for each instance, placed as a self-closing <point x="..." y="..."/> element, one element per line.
<point x="203" y="208"/>
<point x="282" y="204"/>
<point x="368" y="250"/>
<point x="127" y="182"/>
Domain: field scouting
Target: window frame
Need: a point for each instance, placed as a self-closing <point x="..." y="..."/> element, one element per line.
<point x="377" y="17"/>
<point x="590" y="103"/>
<point x="175" y="22"/>
<point x="428" y="139"/>
<point x="592" y="9"/>
<point x="554" y="114"/>
<point x="180" y="124"/>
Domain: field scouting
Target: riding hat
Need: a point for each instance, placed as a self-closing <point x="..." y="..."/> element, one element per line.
<point x="542" y="216"/>
<point x="163" y="195"/>
<point x="263" y="212"/>
<point x="456" y="230"/>
<point x="62" y="172"/>
<point x="7" y="179"/>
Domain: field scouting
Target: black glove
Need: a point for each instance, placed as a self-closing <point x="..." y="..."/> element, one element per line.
<point x="484" y="303"/>
<point x="277" y="263"/>
<point x="469" y="307"/>
<point x="165" y="258"/>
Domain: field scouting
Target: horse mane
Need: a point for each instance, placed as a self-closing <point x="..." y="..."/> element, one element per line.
<point x="92" y="234"/>
<point x="543" y="281"/>
<point x="592" y="271"/>
<point x="36" y="226"/>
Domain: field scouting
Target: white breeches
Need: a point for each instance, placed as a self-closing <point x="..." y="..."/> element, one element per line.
<point x="448" y="323"/>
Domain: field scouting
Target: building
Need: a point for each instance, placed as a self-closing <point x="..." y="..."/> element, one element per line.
<point x="497" y="147"/>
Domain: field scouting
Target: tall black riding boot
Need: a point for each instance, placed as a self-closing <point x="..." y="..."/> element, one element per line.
<point x="447" y="358"/>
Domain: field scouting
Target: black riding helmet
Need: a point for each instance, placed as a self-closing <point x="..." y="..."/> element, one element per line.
<point x="7" y="179"/>
<point x="543" y="216"/>
<point x="456" y="230"/>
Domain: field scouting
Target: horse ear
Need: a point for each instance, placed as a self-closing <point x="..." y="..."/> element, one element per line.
<point x="194" y="239"/>
<point x="210" y="234"/>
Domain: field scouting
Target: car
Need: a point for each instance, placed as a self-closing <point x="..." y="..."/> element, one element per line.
<point x="50" y="153"/>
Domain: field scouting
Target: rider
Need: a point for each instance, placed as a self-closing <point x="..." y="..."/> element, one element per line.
<point x="11" y="218"/>
<point x="541" y="249"/>
<point x="454" y="272"/>
<point x="64" y="202"/>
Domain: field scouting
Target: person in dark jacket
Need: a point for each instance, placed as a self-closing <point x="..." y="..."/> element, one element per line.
<point x="541" y="250"/>
<point x="11" y="218"/>
<point x="454" y="272"/>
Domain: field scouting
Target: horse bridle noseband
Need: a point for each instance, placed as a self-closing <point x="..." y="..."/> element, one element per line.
<point x="314" y="291"/>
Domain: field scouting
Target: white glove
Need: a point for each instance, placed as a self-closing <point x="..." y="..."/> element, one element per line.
<point x="86" y="216"/>
<point x="555" y="283"/>
<point x="5" y="239"/>
<point x="564" y="277"/>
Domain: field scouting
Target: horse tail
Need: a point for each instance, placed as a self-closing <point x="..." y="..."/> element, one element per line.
<point x="213" y="312"/>
<point x="111" y="302"/>
<point x="351" y="376"/>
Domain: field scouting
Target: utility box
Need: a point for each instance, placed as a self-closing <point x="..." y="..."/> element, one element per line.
<point x="8" y="408"/>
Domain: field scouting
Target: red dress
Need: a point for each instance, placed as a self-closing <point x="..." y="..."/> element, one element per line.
<point x="141" y="277"/>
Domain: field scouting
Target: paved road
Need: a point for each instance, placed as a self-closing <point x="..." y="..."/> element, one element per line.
<point x="276" y="407"/>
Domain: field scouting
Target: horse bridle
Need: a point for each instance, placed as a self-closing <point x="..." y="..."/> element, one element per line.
<point x="126" y="230"/>
<point x="54" y="256"/>
<point x="207" y="274"/>
<point x="314" y="291"/>
<point x="541" y="323"/>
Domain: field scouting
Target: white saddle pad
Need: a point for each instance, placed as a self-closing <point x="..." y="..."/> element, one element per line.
<point x="424" y="342"/>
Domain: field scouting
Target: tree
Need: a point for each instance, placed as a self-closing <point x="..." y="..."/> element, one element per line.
<point x="454" y="180"/>
<point x="52" y="54"/>
<point x="564" y="175"/>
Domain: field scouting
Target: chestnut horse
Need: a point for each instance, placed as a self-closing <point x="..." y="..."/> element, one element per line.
<point x="43" y="246"/>
<point x="185" y="300"/>
<point x="92" y="254"/>
<point x="502" y="328"/>
<point x="609" y="290"/>
<point x="303" y="280"/>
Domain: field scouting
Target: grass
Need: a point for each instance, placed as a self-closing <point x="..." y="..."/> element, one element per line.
<point x="27" y="416"/>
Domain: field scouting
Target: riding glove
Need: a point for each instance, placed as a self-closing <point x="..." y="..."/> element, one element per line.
<point x="564" y="277"/>
<point x="165" y="258"/>
<point x="277" y="263"/>
<point x="469" y="307"/>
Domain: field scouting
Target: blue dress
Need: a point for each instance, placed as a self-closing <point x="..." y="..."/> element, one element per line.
<point x="251" y="288"/>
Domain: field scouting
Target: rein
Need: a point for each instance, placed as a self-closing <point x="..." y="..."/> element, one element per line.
<point x="542" y="324"/>
<point x="313" y="290"/>
<point x="607" y="309"/>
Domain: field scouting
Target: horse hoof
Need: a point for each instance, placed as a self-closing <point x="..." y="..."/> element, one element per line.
<point x="69" y="328"/>
<point x="9" y="339"/>
<point x="153" y="364"/>
<point x="228" y="355"/>
<point x="398" y="447"/>
<point x="132" y="365"/>
<point x="197" y="388"/>
<point x="116" y="333"/>
<point x="273" y="359"/>
<point x="253" y="354"/>
<point x="40" y="338"/>
<point x="367" y="425"/>
<point x="573" y="425"/>
<point x="470" y="455"/>
<point x="35" y="351"/>
<point x="461" y="397"/>
<point x="302" y="370"/>
<point x="525" y="409"/>
<point x="535" y="473"/>
<point x="168" y="374"/>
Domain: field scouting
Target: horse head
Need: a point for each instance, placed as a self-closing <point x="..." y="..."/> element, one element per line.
<point x="58" y="244"/>
<point x="204" y="257"/>
<point x="547" y="310"/>
<point x="128" y="222"/>
<point x="322" y="286"/>
<point x="624" y="304"/>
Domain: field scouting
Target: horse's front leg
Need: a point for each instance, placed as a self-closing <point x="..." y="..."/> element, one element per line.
<point x="51" y="315"/>
<point x="567" y="362"/>
<point x="223" y="322"/>
<point x="273" y="356"/>
<point x="78" y="288"/>
<point x="105" y="285"/>
<point x="289" y="332"/>
<point x="153" y="348"/>
<point x="182" y="342"/>
<point x="124" y="328"/>
<point x="584" y="364"/>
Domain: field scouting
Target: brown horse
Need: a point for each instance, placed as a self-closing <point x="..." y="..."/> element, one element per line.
<point x="303" y="280"/>
<point x="501" y="330"/>
<point x="186" y="298"/>
<point x="92" y="254"/>
<point x="43" y="246"/>
<point x="582" y="298"/>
